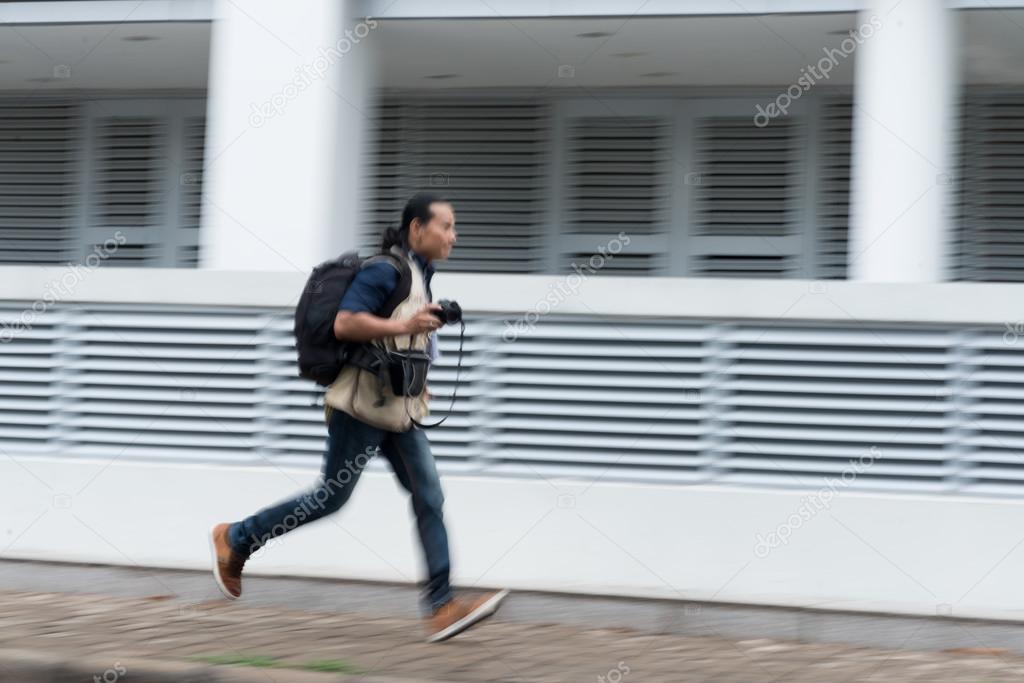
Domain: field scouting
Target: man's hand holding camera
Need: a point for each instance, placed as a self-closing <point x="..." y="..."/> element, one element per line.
<point x="425" y="320"/>
<point x="433" y="316"/>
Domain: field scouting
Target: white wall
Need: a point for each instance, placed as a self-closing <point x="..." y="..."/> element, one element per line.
<point x="726" y="298"/>
<point x="911" y="554"/>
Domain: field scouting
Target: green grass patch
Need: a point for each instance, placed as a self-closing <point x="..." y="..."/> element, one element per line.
<point x="332" y="666"/>
<point x="239" y="660"/>
<point x="259" y="661"/>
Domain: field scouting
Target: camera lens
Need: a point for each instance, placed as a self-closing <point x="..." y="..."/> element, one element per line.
<point x="454" y="312"/>
<point x="450" y="311"/>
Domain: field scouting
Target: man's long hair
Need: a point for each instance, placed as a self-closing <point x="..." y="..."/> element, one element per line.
<point x="418" y="206"/>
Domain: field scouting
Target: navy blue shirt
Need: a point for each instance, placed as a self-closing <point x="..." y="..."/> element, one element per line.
<point x="372" y="286"/>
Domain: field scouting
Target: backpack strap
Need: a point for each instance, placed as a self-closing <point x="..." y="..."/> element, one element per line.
<point x="369" y="356"/>
<point x="401" y="291"/>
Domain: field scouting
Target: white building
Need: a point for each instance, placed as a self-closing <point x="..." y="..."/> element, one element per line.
<point x="740" y="277"/>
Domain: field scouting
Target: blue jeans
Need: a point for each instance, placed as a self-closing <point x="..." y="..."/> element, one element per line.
<point x="351" y="443"/>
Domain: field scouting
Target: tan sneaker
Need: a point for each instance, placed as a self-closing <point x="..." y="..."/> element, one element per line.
<point x="227" y="564"/>
<point x="458" y="615"/>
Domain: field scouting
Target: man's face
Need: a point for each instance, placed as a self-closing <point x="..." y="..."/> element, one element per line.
<point x="435" y="239"/>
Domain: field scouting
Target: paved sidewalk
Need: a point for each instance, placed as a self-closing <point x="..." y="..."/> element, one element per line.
<point x="119" y="629"/>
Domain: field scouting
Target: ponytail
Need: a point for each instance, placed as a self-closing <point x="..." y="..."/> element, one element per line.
<point x="392" y="237"/>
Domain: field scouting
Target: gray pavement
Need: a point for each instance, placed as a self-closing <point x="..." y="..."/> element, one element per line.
<point x="137" y="619"/>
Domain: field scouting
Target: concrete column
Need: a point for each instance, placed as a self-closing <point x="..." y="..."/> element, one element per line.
<point x="288" y="111"/>
<point x="903" y="140"/>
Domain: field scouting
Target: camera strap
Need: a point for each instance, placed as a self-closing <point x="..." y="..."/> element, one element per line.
<point x="455" y="390"/>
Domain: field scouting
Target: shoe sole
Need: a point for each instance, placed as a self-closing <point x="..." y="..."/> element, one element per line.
<point x="475" y="617"/>
<point x="216" y="571"/>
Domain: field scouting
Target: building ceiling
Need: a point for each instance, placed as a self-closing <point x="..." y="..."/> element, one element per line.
<point x="742" y="50"/>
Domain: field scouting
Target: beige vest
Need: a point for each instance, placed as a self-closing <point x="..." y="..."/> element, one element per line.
<point x="356" y="391"/>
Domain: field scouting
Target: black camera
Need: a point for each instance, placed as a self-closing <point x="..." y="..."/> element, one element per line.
<point x="450" y="312"/>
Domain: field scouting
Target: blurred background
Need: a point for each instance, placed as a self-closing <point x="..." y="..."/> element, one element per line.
<point x="741" y="281"/>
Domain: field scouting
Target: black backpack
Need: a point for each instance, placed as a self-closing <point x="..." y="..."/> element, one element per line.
<point x="321" y="354"/>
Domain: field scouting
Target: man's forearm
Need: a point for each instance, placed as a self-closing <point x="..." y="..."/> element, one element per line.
<point x="364" y="327"/>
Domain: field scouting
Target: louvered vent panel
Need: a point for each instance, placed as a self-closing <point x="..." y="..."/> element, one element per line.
<point x="38" y="142"/>
<point x="964" y="196"/>
<point x="602" y="398"/>
<point x="29" y="360"/>
<point x="170" y="384"/>
<point x="188" y="256"/>
<point x="993" y="210"/>
<point x="129" y="184"/>
<point x="802" y="402"/>
<point x="191" y="181"/>
<point x="623" y="264"/>
<point x="488" y="157"/>
<point x="924" y="408"/>
<point x="834" y="186"/>
<point x="296" y="416"/>
<point x="745" y="196"/>
<point x="994" y="412"/>
<point x="125" y="255"/>
<point x="728" y="264"/>
<point x="390" y="182"/>
<point x="617" y="183"/>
